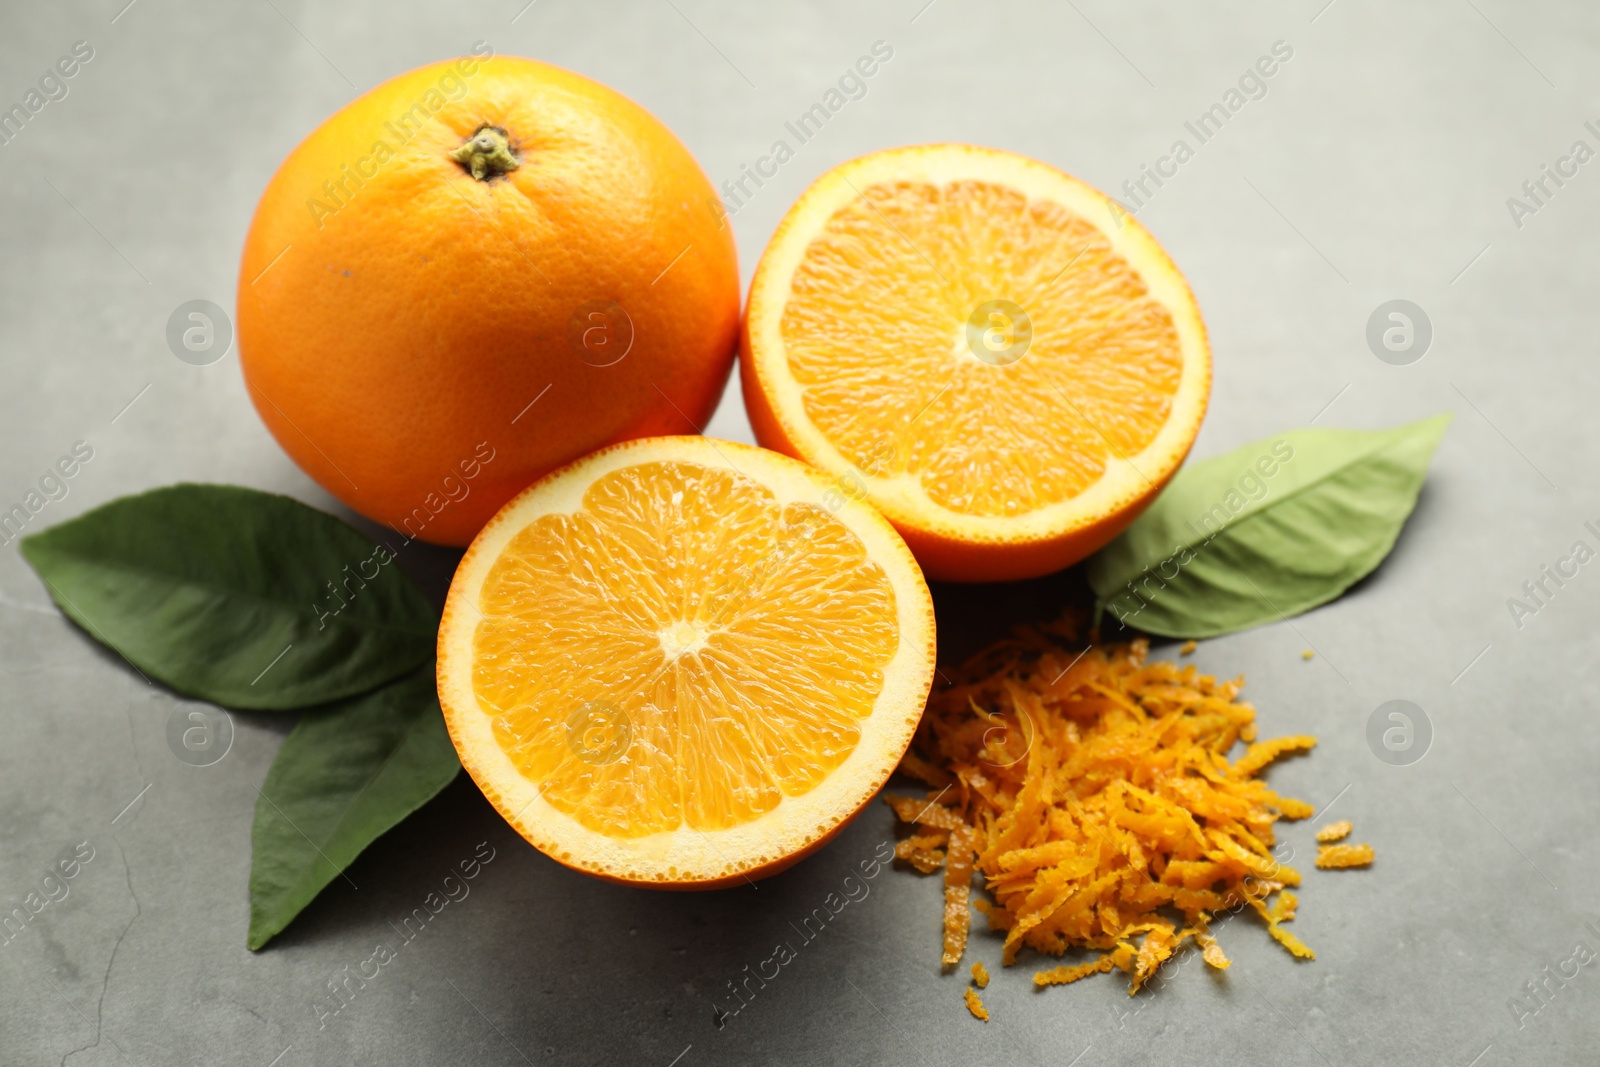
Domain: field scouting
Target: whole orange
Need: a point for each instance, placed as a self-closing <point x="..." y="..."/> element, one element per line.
<point x="474" y="274"/>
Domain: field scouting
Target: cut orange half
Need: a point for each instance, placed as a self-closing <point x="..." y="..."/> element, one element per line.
<point x="683" y="662"/>
<point x="1005" y="360"/>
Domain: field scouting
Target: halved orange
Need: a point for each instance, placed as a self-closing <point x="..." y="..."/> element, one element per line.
<point x="1005" y="360"/>
<point x="683" y="662"/>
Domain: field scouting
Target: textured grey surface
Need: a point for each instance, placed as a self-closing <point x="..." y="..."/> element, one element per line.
<point x="1377" y="166"/>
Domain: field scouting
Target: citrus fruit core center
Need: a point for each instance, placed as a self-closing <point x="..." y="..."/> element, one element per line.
<point x="681" y="639"/>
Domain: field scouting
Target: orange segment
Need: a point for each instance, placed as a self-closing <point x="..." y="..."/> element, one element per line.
<point x="683" y="661"/>
<point x="1012" y="367"/>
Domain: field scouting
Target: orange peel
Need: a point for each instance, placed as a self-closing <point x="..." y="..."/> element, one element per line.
<point x="1335" y="857"/>
<point x="1121" y="810"/>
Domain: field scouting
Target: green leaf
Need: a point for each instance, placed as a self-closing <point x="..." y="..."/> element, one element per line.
<point x="344" y="776"/>
<point x="1265" y="532"/>
<point x="240" y="597"/>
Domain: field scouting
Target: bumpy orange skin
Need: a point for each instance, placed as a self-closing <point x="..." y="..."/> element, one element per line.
<point x="394" y="321"/>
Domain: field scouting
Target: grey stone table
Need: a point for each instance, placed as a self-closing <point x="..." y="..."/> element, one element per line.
<point x="1397" y="152"/>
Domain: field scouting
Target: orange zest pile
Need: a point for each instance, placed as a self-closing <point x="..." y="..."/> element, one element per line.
<point x="1094" y="793"/>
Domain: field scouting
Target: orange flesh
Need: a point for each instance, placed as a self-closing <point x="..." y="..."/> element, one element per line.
<point x="876" y="331"/>
<point x="681" y="650"/>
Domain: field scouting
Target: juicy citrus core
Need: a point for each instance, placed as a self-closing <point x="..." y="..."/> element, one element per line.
<point x="681" y="661"/>
<point x="1009" y="365"/>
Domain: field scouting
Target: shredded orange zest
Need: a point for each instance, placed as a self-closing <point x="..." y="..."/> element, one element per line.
<point x="923" y="771"/>
<point x="1258" y="756"/>
<point x="1158" y="946"/>
<point x="957" y="892"/>
<point x="1336" y="856"/>
<point x="1290" y="942"/>
<point x="1282" y="911"/>
<point x="925" y="852"/>
<point x="925" y="812"/>
<point x="1188" y="647"/>
<point x="1210" y="951"/>
<point x="1335" y="831"/>
<point x="1063" y="975"/>
<point x="1093" y="792"/>
<point x="980" y="976"/>
<point x="975" y="1005"/>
